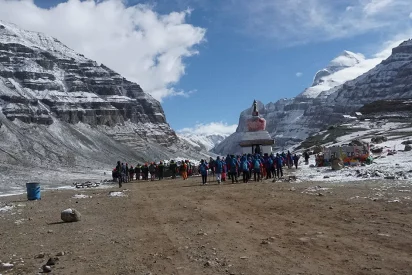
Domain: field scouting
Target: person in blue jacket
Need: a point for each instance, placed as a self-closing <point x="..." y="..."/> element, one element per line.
<point x="244" y="164"/>
<point x="203" y="171"/>
<point x="233" y="168"/>
<point x="256" y="168"/>
<point x="279" y="164"/>
<point x="268" y="166"/>
<point x="218" y="169"/>
<point x="250" y="162"/>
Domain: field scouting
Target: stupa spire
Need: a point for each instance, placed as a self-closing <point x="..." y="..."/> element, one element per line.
<point x="256" y="139"/>
<point x="256" y="123"/>
<point x="255" y="111"/>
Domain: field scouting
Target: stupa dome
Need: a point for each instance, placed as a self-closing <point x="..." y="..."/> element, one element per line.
<point x="256" y="123"/>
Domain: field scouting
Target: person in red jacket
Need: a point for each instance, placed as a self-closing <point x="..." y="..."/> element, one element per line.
<point x="224" y="169"/>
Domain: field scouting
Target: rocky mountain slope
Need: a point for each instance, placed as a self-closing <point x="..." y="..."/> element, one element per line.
<point x="341" y="88"/>
<point x="391" y="79"/>
<point x="58" y="108"/>
<point x="203" y="142"/>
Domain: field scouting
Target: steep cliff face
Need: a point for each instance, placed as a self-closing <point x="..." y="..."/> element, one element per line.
<point x="392" y="79"/>
<point x="335" y="91"/>
<point x="44" y="76"/>
<point x="49" y="87"/>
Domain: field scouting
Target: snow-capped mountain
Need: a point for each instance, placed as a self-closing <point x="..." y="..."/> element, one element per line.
<point x="59" y="108"/>
<point x="203" y="142"/>
<point x="346" y="59"/>
<point x="391" y="79"/>
<point x="345" y="67"/>
<point x="344" y="86"/>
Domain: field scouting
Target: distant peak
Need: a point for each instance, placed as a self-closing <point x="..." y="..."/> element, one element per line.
<point x="348" y="53"/>
<point x="346" y="59"/>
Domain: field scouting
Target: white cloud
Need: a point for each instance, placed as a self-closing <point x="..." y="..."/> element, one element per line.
<point x="410" y="15"/>
<point x="295" y="21"/>
<point x="218" y="128"/>
<point x="174" y="92"/>
<point x="376" y="6"/>
<point x="299" y="74"/>
<point x="135" y="41"/>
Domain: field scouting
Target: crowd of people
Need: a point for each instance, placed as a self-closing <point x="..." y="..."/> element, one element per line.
<point x="231" y="167"/>
<point x="123" y="173"/>
<point x="256" y="167"/>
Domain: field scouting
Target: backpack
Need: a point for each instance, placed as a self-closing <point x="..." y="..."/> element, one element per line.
<point x="202" y="168"/>
<point x="279" y="161"/>
<point x="233" y="165"/>
<point x="245" y="166"/>
<point x="219" y="166"/>
<point x="257" y="164"/>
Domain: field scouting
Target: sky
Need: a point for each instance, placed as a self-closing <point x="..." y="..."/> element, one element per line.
<point x="207" y="60"/>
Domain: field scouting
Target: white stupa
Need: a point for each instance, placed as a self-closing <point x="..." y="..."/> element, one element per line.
<point x="256" y="139"/>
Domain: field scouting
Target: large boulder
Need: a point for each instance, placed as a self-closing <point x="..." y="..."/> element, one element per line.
<point x="379" y="139"/>
<point x="317" y="149"/>
<point x="407" y="142"/>
<point x="377" y="150"/>
<point x="70" y="215"/>
<point x="337" y="164"/>
<point x="408" y="147"/>
<point x="357" y="142"/>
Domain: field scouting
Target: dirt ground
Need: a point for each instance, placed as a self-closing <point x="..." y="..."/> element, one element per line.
<point x="180" y="227"/>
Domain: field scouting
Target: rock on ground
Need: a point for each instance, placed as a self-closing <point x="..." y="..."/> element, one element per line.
<point x="70" y="215"/>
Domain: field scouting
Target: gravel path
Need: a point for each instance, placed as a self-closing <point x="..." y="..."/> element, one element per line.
<point x="180" y="227"/>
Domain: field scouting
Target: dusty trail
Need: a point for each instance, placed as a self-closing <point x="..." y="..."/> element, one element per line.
<point x="180" y="227"/>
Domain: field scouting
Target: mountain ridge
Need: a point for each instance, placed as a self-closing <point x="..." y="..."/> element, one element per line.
<point x="74" y="106"/>
<point x="203" y="141"/>
<point x="290" y="121"/>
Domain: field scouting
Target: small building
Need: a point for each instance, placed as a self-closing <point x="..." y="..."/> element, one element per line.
<point x="256" y="140"/>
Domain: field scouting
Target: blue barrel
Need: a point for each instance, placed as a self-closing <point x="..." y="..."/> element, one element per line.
<point x="33" y="191"/>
